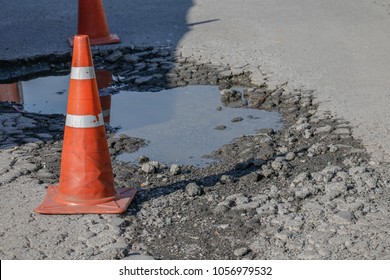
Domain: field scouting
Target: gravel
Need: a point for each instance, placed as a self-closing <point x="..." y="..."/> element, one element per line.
<point x="307" y="191"/>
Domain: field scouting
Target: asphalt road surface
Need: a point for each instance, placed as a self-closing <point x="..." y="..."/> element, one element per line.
<point x="340" y="49"/>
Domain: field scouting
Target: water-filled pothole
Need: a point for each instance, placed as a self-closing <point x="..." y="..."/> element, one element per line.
<point x="181" y="124"/>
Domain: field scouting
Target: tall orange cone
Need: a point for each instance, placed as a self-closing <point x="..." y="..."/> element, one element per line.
<point x="92" y="22"/>
<point x="86" y="180"/>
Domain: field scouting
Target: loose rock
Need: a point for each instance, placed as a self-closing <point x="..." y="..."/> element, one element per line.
<point x="192" y="189"/>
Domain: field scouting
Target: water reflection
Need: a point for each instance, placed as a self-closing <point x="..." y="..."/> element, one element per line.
<point x="180" y="124"/>
<point x="104" y="79"/>
<point x="49" y="95"/>
<point x="11" y="93"/>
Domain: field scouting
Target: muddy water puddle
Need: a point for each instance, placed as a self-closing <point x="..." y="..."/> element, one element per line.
<point x="181" y="125"/>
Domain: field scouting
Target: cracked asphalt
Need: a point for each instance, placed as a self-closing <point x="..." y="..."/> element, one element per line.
<point x="334" y="53"/>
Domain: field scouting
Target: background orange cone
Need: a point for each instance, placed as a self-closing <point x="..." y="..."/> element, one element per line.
<point x="92" y="22"/>
<point x="86" y="180"/>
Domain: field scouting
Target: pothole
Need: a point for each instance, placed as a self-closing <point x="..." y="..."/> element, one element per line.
<point x="271" y="193"/>
<point x="180" y="125"/>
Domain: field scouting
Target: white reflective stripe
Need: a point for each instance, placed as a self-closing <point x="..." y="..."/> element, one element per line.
<point x="84" y="121"/>
<point x="82" y="73"/>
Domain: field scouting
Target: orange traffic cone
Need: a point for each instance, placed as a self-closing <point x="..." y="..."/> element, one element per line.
<point x="104" y="79"/>
<point x="92" y="22"/>
<point x="86" y="180"/>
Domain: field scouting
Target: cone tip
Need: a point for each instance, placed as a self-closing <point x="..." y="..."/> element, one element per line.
<point x="81" y="51"/>
<point x="79" y="39"/>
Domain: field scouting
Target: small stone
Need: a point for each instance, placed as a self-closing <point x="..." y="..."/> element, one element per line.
<point x="277" y="165"/>
<point x="225" y="73"/>
<point x="132" y="58"/>
<point x="143" y="80"/>
<point x="302" y="120"/>
<point x="219" y="108"/>
<point x="343" y="217"/>
<point x="294" y="225"/>
<point x="230" y="95"/>
<point x="273" y="189"/>
<point x="301" y="177"/>
<point x="266" y="153"/>
<point x="145" y="184"/>
<point x="303" y="192"/>
<point x="307" y="133"/>
<point x="282" y="236"/>
<point x="192" y="189"/>
<point x="220" y="209"/>
<point x="114" y="56"/>
<point x="258" y="162"/>
<point x="30" y="146"/>
<point x="333" y="148"/>
<point x="44" y="135"/>
<point x="225" y="179"/>
<point x="317" y="149"/>
<point x="26" y="123"/>
<point x="246" y="206"/>
<point x="140" y="66"/>
<point x="237" y="119"/>
<point x="175" y="169"/>
<point x="155" y="164"/>
<point x="305" y="103"/>
<point x="164" y="53"/>
<point x="116" y="222"/>
<point x="44" y="174"/>
<point x="220" y="127"/>
<point x="342" y="131"/>
<point x="242" y="200"/>
<point x="259" y="245"/>
<point x="323" y="252"/>
<point x="143" y="159"/>
<point x="158" y="77"/>
<point x="290" y="156"/>
<point x="357" y="170"/>
<point x="223" y="226"/>
<point x="324" y="129"/>
<point x="266" y="171"/>
<point x="253" y="177"/>
<point x="148" y="168"/>
<point x="138" y="257"/>
<point x="302" y="127"/>
<point x="335" y="189"/>
<point x="241" y="251"/>
<point x="262" y="198"/>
